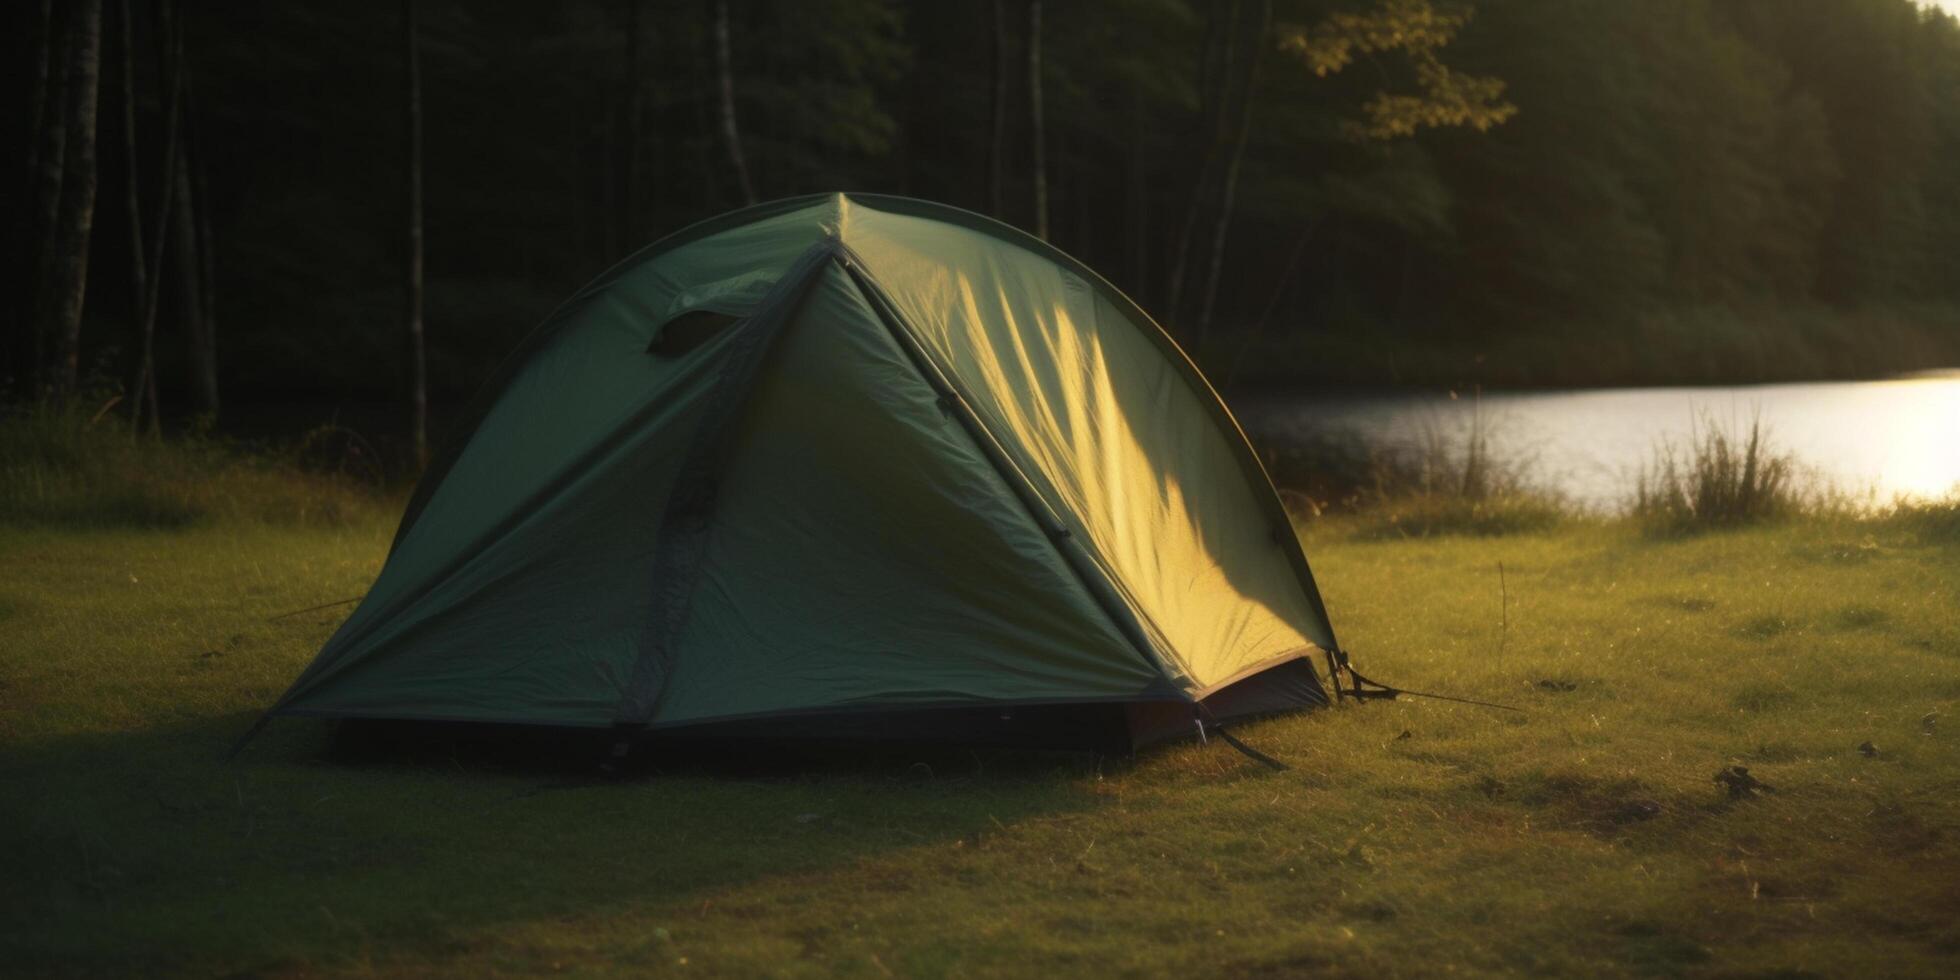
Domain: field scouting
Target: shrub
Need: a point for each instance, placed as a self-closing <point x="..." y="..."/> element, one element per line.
<point x="1725" y="478"/>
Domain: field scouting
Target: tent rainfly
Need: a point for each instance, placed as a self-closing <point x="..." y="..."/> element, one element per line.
<point x="841" y="465"/>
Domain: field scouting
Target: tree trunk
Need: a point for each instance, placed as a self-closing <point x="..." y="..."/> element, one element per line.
<point x="635" y="221"/>
<point x="1040" y="137"/>
<point x="417" y="365"/>
<point x="997" y="147"/>
<point x="190" y="303"/>
<point x="730" y="132"/>
<point x="143" y="396"/>
<point x="46" y="141"/>
<point x="196" y="164"/>
<point x="41" y="93"/>
<point x="66" y="260"/>
<point x="1220" y="43"/>
<point x="1280" y="289"/>
<point x="612" y="179"/>
<point x="139" y="280"/>
<point x="1136" y="208"/>
<point x="201" y="340"/>
<point x="1228" y="195"/>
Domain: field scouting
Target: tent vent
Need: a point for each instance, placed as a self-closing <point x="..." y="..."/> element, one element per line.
<point x="687" y="331"/>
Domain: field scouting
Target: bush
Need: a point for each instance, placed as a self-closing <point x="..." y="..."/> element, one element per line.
<point x="74" y="466"/>
<point x="1726" y="478"/>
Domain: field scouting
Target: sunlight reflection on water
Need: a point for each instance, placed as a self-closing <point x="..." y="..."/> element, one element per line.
<point x="1898" y="437"/>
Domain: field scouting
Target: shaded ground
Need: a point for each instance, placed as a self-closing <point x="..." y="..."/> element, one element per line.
<point x="1587" y="835"/>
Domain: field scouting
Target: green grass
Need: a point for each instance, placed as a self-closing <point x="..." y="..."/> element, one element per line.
<point x="1584" y="836"/>
<point x="79" y="467"/>
<point x="1727" y="476"/>
<point x="1445" y="484"/>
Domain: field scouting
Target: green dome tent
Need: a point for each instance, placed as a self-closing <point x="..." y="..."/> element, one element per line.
<point x="840" y="464"/>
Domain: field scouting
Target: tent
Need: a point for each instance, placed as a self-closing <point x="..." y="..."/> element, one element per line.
<point x="844" y="464"/>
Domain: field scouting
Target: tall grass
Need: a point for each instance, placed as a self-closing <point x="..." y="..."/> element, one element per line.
<point x="1462" y="482"/>
<point x="80" y="466"/>
<point x="1725" y="477"/>
<point x="1929" y="520"/>
<point x="1441" y="483"/>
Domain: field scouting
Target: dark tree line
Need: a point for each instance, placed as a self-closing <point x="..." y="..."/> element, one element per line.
<point x="1532" y="190"/>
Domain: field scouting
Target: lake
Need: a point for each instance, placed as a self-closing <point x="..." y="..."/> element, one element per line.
<point x="1895" y="437"/>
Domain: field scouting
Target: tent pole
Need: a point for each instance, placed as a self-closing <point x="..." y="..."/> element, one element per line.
<point x="1104" y="592"/>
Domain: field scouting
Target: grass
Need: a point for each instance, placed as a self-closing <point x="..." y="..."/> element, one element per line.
<point x="1445" y="483"/>
<point x="82" y="467"/>
<point x="1584" y="836"/>
<point x="1728" y="476"/>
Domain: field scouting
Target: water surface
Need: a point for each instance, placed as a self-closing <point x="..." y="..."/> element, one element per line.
<point x="1898" y="437"/>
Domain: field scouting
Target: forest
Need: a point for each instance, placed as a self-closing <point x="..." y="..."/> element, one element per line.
<point x="260" y="214"/>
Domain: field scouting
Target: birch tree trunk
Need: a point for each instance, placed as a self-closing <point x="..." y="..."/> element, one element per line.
<point x="417" y="364"/>
<point x="1228" y="195"/>
<point x="66" y="260"/>
<point x="997" y="147"/>
<point x="1040" y="137"/>
<point x="730" y="132"/>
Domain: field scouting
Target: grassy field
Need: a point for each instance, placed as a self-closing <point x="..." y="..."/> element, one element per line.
<point x="1585" y="835"/>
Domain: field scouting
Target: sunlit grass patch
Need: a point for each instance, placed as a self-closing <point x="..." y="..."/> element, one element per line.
<point x="1426" y="515"/>
<point x="1767" y="626"/>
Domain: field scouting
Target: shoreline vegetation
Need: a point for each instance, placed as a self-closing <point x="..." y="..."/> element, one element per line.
<point x="1734" y="758"/>
<point x="73" y="468"/>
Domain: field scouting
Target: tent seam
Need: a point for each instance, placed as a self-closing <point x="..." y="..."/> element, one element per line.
<point x="1102" y="588"/>
<point x="689" y="512"/>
